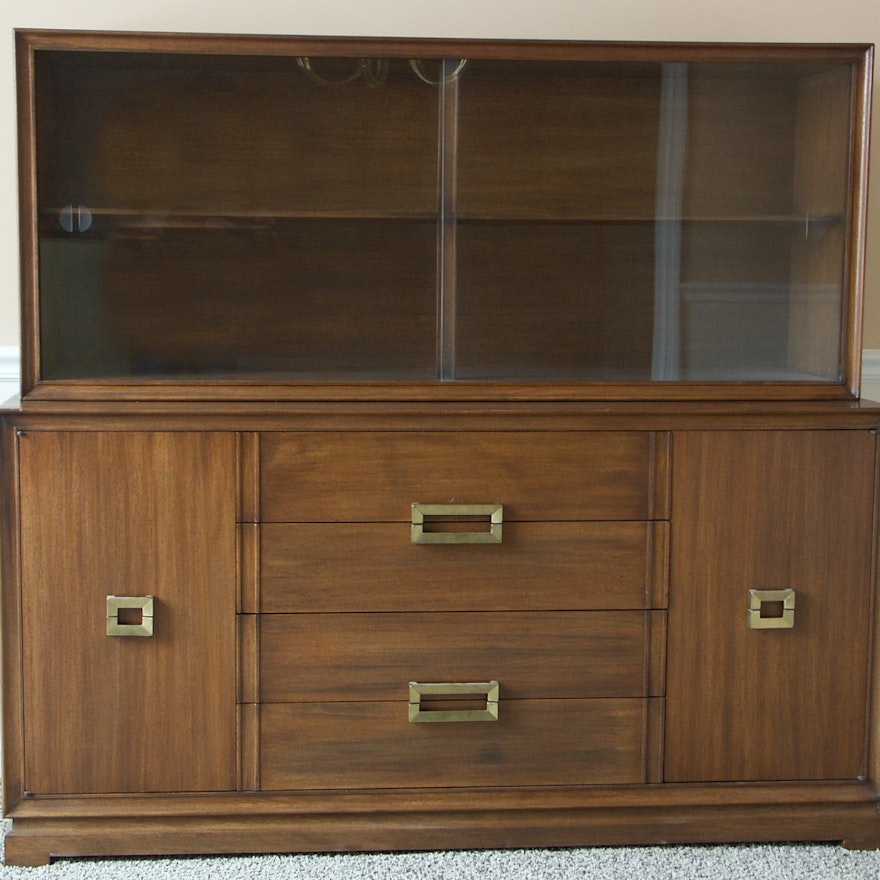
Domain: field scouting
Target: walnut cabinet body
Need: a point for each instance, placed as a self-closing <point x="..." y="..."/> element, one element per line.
<point x="511" y="387"/>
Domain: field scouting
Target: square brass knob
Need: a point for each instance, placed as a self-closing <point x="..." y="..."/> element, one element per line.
<point x="129" y="615"/>
<point x="771" y="609"/>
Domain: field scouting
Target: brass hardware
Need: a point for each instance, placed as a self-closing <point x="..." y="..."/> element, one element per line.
<point x="782" y="602"/>
<point x="418" y="714"/>
<point x="495" y="512"/>
<point x="129" y="615"/>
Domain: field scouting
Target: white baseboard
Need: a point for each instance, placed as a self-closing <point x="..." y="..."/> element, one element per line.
<point x="10" y="363"/>
<point x="10" y="373"/>
<point x="871" y="374"/>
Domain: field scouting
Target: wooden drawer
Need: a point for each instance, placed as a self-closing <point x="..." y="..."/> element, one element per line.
<point x="328" y="657"/>
<point x="373" y="745"/>
<point x="375" y="567"/>
<point x="377" y="476"/>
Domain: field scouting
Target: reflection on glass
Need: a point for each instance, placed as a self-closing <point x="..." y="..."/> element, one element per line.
<point x="665" y="222"/>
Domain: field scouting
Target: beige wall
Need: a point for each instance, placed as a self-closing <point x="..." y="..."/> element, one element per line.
<point x="732" y="20"/>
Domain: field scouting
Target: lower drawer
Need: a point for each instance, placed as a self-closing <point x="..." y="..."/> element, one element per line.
<point x="533" y="742"/>
<point x="535" y="655"/>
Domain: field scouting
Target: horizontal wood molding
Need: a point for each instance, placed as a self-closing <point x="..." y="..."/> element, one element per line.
<point x="10" y="365"/>
<point x="460" y="800"/>
<point x="10" y="371"/>
<point x="461" y="824"/>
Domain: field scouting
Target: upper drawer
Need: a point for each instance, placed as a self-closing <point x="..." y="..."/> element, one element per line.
<point x="536" y="475"/>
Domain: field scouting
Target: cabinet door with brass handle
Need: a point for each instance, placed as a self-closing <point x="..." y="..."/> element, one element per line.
<point x="110" y="522"/>
<point x="769" y="605"/>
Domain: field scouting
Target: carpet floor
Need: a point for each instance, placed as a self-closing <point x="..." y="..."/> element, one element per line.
<point x="796" y="862"/>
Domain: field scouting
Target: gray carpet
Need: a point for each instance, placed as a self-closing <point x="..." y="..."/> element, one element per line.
<point x="799" y="862"/>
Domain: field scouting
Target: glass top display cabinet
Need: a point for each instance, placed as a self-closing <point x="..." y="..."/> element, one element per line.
<point x="273" y="218"/>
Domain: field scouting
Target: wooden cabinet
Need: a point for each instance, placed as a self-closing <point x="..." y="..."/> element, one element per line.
<point x="437" y="444"/>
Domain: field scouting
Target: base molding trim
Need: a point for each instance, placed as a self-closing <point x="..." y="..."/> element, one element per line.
<point x="72" y="827"/>
<point x="35" y="842"/>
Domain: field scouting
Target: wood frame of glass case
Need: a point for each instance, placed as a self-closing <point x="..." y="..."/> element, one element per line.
<point x="271" y="218"/>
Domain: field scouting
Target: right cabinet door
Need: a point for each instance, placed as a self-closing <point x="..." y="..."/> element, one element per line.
<point x="756" y="690"/>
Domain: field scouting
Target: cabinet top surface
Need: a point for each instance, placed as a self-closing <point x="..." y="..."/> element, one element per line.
<point x="158" y="41"/>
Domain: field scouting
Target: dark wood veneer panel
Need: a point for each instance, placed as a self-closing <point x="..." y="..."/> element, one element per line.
<point x="237" y="134"/>
<point x="375" y="567"/>
<point x="543" y="655"/>
<point x="376" y="477"/>
<point x="128" y="514"/>
<point x="555" y="301"/>
<point x="372" y="745"/>
<point x="555" y="140"/>
<point x="331" y="299"/>
<point x="770" y="511"/>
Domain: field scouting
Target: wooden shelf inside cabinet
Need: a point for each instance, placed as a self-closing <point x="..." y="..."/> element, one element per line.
<point x="123" y="218"/>
<point x="821" y="218"/>
<point x="185" y="219"/>
<point x="82" y="219"/>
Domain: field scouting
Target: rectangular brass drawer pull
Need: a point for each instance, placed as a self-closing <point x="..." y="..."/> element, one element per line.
<point x="418" y="714"/>
<point x="129" y="615"/>
<point x="771" y="609"/>
<point x="494" y="512"/>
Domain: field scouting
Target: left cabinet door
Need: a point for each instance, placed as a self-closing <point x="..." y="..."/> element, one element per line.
<point x="134" y="515"/>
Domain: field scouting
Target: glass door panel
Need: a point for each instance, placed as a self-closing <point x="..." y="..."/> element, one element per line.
<point x="666" y="222"/>
<point x="236" y="216"/>
<point x="765" y="212"/>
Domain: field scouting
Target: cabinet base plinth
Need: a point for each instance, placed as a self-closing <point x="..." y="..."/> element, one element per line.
<point x="862" y="843"/>
<point x="35" y="841"/>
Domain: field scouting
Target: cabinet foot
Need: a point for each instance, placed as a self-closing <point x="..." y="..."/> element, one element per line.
<point x="23" y="852"/>
<point x="862" y="843"/>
